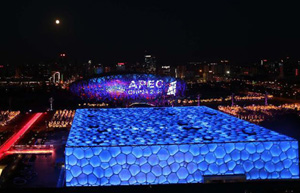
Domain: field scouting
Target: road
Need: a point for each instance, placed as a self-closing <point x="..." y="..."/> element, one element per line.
<point x="15" y="137"/>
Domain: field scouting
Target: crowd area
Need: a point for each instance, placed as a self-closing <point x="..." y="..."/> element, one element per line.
<point x="7" y="116"/>
<point x="62" y="119"/>
<point x="249" y="97"/>
<point x="259" y="113"/>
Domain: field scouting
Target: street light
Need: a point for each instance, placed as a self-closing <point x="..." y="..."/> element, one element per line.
<point x="57" y="21"/>
<point x="51" y="103"/>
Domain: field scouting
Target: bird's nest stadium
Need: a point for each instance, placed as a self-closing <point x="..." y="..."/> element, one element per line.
<point x="129" y="87"/>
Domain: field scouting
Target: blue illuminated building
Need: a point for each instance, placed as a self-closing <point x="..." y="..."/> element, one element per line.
<point x="133" y="146"/>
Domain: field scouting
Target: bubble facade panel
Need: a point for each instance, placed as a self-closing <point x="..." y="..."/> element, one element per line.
<point x="135" y="146"/>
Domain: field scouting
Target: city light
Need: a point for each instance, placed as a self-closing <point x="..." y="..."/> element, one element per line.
<point x="57" y="21"/>
<point x="258" y="113"/>
<point x="30" y="151"/>
<point x="13" y="139"/>
<point x="10" y="115"/>
<point x="62" y="119"/>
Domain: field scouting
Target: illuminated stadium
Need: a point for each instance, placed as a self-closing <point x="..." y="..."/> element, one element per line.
<point x="129" y="87"/>
<point x="140" y="146"/>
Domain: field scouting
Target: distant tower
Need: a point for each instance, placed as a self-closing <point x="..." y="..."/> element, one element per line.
<point x="281" y="70"/>
<point x="199" y="99"/>
<point x="120" y="66"/>
<point x="51" y="103"/>
<point x="150" y="64"/>
<point x="56" y="76"/>
<point x="17" y="73"/>
<point x="232" y="99"/>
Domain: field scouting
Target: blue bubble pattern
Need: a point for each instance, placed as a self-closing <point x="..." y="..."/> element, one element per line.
<point x="134" y="165"/>
<point x="172" y="145"/>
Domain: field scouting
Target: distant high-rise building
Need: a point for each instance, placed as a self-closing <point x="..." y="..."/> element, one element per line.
<point x="166" y="70"/>
<point x="98" y="69"/>
<point x="203" y="71"/>
<point x="150" y="64"/>
<point x="281" y="72"/>
<point x="134" y="67"/>
<point x="107" y="69"/>
<point x="290" y="68"/>
<point x="180" y="72"/>
<point x="120" y="66"/>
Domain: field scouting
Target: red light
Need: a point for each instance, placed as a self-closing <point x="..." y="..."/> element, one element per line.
<point x="265" y="60"/>
<point x="13" y="139"/>
<point x="63" y="54"/>
<point x="121" y="64"/>
<point x="1" y="66"/>
<point x="30" y="151"/>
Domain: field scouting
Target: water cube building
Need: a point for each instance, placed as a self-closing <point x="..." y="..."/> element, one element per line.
<point x="135" y="146"/>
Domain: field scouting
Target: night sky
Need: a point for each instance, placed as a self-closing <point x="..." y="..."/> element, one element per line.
<point x="174" y="31"/>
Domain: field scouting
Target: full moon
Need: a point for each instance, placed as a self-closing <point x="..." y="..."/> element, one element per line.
<point x="57" y="21"/>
